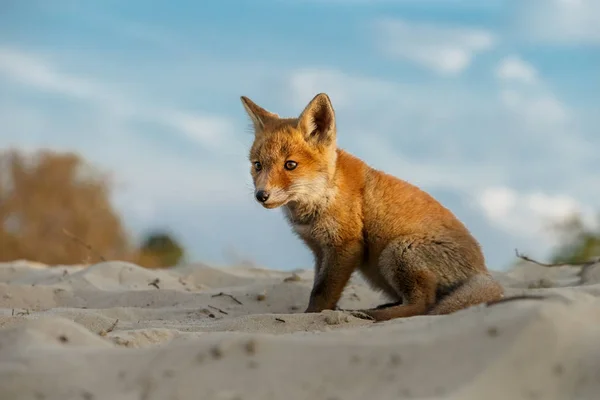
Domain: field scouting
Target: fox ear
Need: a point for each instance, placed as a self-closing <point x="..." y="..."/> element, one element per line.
<point x="317" y="121"/>
<point x="258" y="115"/>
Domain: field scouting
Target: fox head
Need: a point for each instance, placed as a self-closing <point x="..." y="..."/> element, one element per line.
<point x="292" y="160"/>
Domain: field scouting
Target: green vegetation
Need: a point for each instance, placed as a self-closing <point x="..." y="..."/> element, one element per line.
<point x="580" y="243"/>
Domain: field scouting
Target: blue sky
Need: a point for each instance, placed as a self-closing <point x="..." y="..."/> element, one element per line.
<point x="491" y="106"/>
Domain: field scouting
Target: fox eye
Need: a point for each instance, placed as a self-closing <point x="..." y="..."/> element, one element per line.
<point x="257" y="166"/>
<point x="290" y="165"/>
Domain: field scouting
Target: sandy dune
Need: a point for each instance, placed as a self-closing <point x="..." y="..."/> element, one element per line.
<point x="117" y="331"/>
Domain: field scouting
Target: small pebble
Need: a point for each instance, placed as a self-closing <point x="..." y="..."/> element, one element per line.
<point x="251" y="346"/>
<point x="492" y="331"/>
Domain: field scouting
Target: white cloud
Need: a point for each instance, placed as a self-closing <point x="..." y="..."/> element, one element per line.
<point x="534" y="103"/>
<point x="529" y="101"/>
<point x="513" y="68"/>
<point x="345" y="90"/>
<point x="560" y="21"/>
<point x="369" y="96"/>
<point x="213" y="132"/>
<point x="497" y="202"/>
<point x="445" y="50"/>
<point x="536" y="109"/>
<point x="33" y="71"/>
<point x="501" y="204"/>
<point x="530" y="214"/>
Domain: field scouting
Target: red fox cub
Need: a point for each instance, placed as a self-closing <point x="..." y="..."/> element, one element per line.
<point x="402" y="240"/>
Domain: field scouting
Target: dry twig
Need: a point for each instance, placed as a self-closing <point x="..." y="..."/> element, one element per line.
<point x="227" y="295"/>
<point x="113" y="326"/>
<point x="580" y="264"/>
<point x="84" y="244"/>
<point x="110" y="329"/>
<point x="218" y="309"/>
<point x="155" y="283"/>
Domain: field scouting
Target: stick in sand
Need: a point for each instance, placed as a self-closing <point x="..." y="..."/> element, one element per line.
<point x="227" y="295"/>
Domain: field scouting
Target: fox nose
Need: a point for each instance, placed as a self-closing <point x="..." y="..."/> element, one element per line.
<point x="262" y="196"/>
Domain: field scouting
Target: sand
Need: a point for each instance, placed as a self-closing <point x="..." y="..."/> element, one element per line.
<point x="117" y="331"/>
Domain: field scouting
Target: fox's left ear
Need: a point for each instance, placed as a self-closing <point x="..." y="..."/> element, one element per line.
<point x="317" y="121"/>
<point x="258" y="115"/>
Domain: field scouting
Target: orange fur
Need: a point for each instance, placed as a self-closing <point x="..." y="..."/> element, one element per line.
<point x="352" y="216"/>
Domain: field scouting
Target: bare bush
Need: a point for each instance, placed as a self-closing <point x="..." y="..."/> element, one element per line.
<point x="48" y="202"/>
<point x="55" y="208"/>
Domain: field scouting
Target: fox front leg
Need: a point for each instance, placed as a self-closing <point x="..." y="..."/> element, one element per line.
<point x="332" y="276"/>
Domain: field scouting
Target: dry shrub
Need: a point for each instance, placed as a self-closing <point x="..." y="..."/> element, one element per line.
<point x="55" y="208"/>
<point x="47" y="193"/>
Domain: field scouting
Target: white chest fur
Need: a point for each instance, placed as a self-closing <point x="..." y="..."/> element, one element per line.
<point x="324" y="228"/>
<point x="302" y="229"/>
